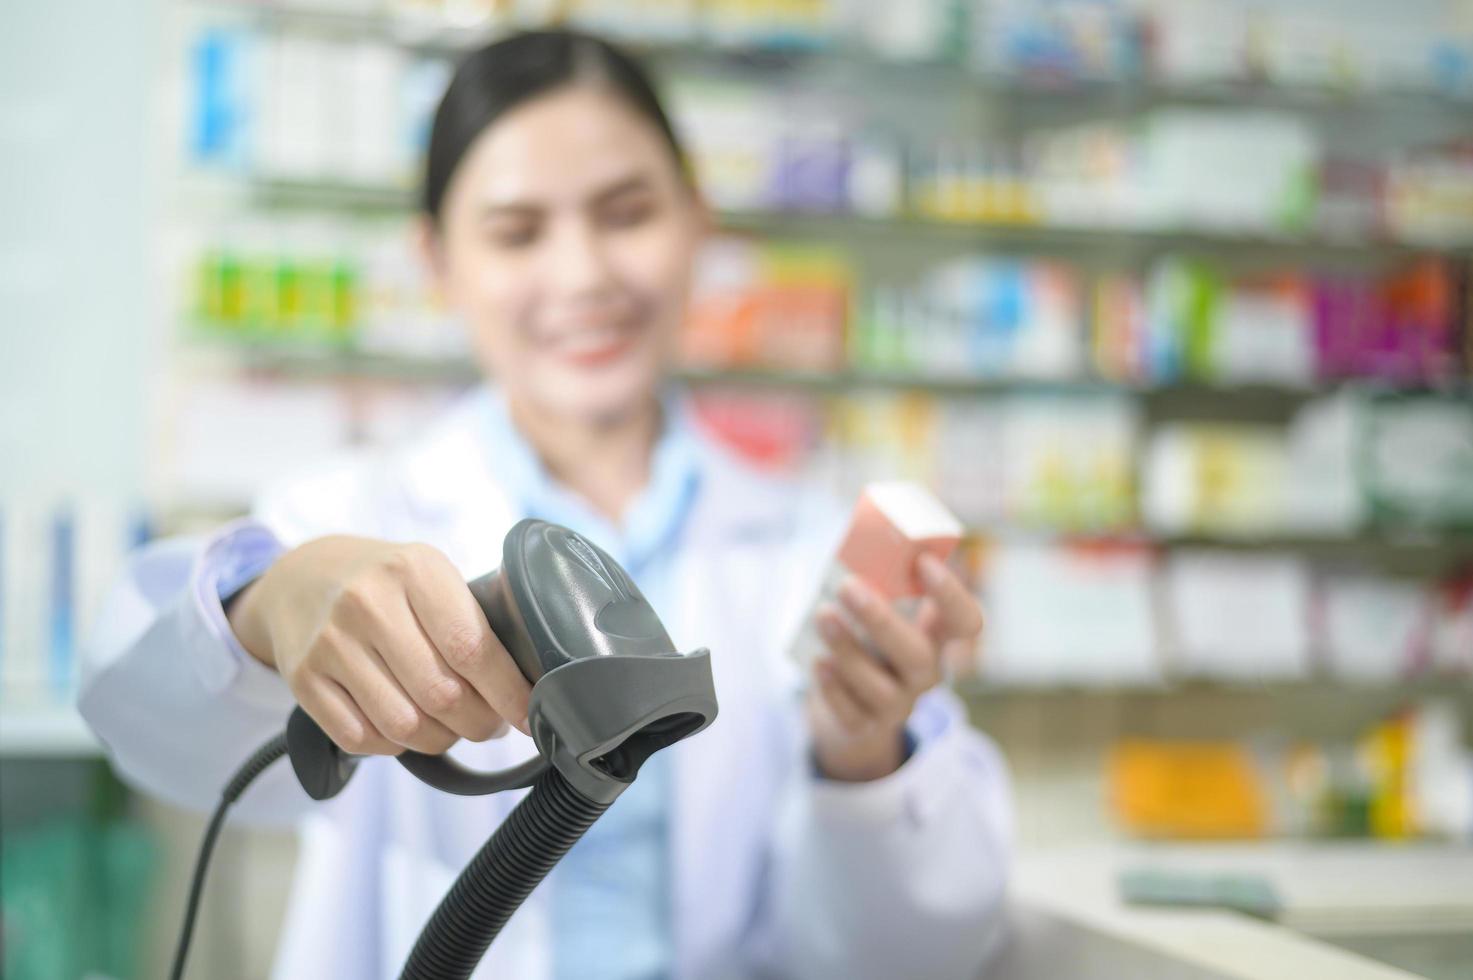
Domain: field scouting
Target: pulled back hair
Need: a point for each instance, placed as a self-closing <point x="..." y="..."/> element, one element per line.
<point x="494" y="79"/>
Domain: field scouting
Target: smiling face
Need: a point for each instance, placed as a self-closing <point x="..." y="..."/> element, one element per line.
<point x="566" y="242"/>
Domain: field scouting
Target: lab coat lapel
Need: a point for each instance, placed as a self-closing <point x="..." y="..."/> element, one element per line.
<point x="722" y="787"/>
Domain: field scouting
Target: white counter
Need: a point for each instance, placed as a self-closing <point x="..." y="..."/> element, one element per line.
<point x="1069" y="919"/>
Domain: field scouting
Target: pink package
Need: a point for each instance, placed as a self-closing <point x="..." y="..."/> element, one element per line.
<point x="894" y="523"/>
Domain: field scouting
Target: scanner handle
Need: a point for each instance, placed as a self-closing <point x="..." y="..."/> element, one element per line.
<point x="323" y="768"/>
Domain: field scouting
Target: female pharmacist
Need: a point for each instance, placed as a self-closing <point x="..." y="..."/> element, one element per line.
<point x="860" y="830"/>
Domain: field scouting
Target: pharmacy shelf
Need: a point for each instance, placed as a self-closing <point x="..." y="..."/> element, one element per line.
<point x="1320" y="686"/>
<point x="318" y="361"/>
<point x="1457" y="543"/>
<point x="1149" y="241"/>
<point x="1391" y="549"/>
<point x="436" y="34"/>
<point x="45" y="731"/>
<point x="859" y="380"/>
<point x="288" y="194"/>
<point x="1406" y="548"/>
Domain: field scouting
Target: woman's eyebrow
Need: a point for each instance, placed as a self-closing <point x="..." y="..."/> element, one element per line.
<point x="624" y="185"/>
<point x="516" y="209"/>
<point x="490" y="212"/>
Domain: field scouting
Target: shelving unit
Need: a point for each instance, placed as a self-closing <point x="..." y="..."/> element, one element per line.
<point x="433" y="34"/>
<point x="320" y="360"/>
<point x="1316" y="686"/>
<point x="1009" y="104"/>
<point x="297" y="195"/>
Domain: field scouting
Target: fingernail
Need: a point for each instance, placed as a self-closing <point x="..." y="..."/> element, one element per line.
<point x="932" y="569"/>
<point x="855" y="593"/>
<point x="827" y="628"/>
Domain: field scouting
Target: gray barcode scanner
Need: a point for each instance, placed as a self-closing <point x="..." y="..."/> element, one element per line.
<point x="609" y="689"/>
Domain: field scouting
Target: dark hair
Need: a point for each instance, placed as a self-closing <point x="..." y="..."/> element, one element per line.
<point x="500" y="76"/>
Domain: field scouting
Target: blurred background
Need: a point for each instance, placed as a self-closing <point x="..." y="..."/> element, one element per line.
<point x="1171" y="302"/>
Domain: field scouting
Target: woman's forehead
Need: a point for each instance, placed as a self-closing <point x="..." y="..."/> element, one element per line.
<point x="565" y="147"/>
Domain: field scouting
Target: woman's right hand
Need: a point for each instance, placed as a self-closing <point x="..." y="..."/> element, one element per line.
<point x="383" y="644"/>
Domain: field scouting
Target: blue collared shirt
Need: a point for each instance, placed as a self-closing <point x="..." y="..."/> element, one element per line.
<point x="611" y="893"/>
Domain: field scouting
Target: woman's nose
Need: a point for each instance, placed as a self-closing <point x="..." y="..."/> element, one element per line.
<point x="577" y="259"/>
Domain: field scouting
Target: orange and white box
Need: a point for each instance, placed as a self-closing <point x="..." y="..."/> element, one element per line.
<point x="893" y="524"/>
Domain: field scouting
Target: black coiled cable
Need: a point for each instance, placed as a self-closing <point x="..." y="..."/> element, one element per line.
<point x="249" y="770"/>
<point x="533" y="838"/>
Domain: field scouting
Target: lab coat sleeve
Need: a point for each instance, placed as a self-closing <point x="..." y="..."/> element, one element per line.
<point x="168" y="689"/>
<point x="903" y="876"/>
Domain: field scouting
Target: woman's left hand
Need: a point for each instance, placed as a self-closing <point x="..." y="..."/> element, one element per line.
<point x="859" y="702"/>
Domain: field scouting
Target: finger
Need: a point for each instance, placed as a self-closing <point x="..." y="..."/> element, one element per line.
<point x="439" y="691"/>
<point x="959" y="612"/>
<point x="838" y="700"/>
<point x="877" y="691"/>
<point x="841" y="635"/>
<point x="373" y="686"/>
<point x="928" y="618"/>
<point x="958" y="656"/>
<point x="910" y="652"/>
<point x="334" y="711"/>
<point x="457" y="627"/>
<point x="393" y="630"/>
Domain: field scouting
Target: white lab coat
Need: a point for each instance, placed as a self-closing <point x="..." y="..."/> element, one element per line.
<point x="776" y="872"/>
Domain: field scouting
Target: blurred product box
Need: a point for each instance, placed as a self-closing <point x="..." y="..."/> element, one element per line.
<point x="1401" y="329"/>
<point x="768" y="306"/>
<point x="1373" y="628"/>
<point x="312" y="285"/>
<point x="1341" y="464"/>
<point x="283" y="297"/>
<point x="308" y="107"/>
<point x="1417" y="460"/>
<point x="792" y="24"/>
<point x="1053" y="462"/>
<point x="1068" y="39"/>
<point x="970" y="449"/>
<point x="975" y="317"/>
<point x="886" y="436"/>
<point x="1186" y="790"/>
<point x="780" y="432"/>
<point x="1406" y="776"/>
<point x="920" y="30"/>
<point x="1068" y="462"/>
<point x="1323" y="496"/>
<point x="1429" y="193"/>
<point x="1451" y="651"/>
<point x="1216" y="479"/>
<point x="1070" y="614"/>
<point x="1187" y="320"/>
<point x="1239" y="617"/>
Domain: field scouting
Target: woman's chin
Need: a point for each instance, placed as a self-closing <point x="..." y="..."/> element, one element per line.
<point x="600" y="391"/>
